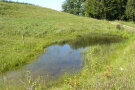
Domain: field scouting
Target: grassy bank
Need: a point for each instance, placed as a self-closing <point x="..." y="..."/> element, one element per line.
<point x="106" y="65"/>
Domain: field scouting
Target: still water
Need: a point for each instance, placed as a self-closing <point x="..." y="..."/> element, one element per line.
<point x="54" y="62"/>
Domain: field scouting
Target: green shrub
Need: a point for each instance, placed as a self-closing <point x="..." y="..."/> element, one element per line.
<point x="119" y="27"/>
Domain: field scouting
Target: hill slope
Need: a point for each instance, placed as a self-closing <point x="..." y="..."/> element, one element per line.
<point x="40" y="27"/>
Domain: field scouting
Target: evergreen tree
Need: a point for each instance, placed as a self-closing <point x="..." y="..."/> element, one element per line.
<point x="102" y="9"/>
<point x="111" y="9"/>
<point x="130" y="10"/>
<point x="108" y="9"/>
<point x="122" y="8"/>
<point x="91" y="8"/>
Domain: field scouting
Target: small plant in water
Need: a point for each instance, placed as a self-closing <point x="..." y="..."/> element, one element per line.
<point x="30" y="84"/>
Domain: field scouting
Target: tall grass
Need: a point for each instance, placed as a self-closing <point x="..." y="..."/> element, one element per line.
<point x="106" y="67"/>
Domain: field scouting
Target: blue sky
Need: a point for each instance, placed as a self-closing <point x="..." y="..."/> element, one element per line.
<point x="53" y="4"/>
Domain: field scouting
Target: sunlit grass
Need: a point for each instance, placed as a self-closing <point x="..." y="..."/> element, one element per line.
<point x="40" y="27"/>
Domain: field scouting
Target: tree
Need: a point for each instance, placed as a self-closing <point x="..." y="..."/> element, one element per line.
<point x="111" y="9"/>
<point x="95" y="8"/>
<point x="106" y="9"/>
<point x="122" y="9"/>
<point x="130" y="10"/>
<point x="68" y="6"/>
<point x="102" y="9"/>
<point x="73" y="7"/>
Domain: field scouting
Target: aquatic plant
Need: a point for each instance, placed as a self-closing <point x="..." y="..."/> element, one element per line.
<point x="31" y="84"/>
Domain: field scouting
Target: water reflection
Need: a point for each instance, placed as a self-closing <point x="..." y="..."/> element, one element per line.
<point x="88" y="40"/>
<point x="56" y="61"/>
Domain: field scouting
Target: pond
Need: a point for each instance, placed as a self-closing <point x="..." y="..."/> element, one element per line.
<point x="58" y="59"/>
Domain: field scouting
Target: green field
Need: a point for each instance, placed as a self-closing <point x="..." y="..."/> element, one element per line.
<point x="109" y="66"/>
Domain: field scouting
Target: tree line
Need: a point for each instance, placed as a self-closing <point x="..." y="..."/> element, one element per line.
<point x="102" y="9"/>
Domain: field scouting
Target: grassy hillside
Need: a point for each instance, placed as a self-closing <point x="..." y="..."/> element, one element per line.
<point x="42" y="27"/>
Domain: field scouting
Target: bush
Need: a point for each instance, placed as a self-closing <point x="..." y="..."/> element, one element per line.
<point x="119" y="27"/>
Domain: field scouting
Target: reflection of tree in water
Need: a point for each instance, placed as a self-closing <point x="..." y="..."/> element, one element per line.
<point x="82" y="42"/>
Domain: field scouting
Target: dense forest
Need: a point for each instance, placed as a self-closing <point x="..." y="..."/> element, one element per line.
<point x="102" y="9"/>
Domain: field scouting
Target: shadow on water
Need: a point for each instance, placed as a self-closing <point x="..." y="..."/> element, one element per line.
<point x="62" y="57"/>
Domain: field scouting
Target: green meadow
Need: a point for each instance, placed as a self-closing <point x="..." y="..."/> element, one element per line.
<point x="107" y="66"/>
